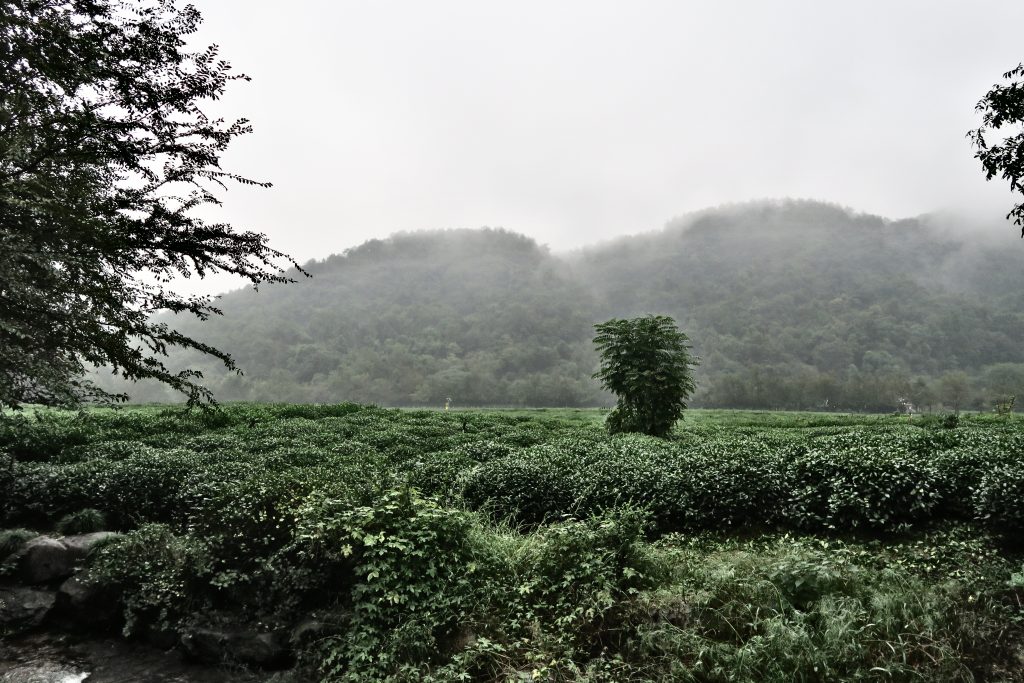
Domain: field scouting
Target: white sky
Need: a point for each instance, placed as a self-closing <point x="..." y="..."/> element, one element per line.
<point x="574" y="122"/>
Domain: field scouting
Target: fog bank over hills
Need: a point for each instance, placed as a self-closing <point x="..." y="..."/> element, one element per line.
<point x="790" y="304"/>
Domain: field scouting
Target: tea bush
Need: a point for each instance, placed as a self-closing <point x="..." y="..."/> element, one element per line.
<point x="144" y="487"/>
<point x="868" y="486"/>
<point x="999" y="498"/>
<point x="490" y="546"/>
<point x="848" y="481"/>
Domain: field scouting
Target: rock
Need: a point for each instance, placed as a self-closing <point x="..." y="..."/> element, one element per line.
<point x="85" y="602"/>
<point x="81" y="544"/>
<point x="305" y="632"/>
<point x="44" y="559"/>
<point x="23" y="608"/>
<point x="267" y="650"/>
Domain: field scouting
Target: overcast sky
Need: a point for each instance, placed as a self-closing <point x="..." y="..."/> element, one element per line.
<point x="574" y="122"/>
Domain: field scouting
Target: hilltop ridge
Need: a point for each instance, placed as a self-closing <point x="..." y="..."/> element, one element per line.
<point x="790" y="304"/>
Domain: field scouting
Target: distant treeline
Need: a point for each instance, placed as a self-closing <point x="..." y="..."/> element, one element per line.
<point x="793" y="304"/>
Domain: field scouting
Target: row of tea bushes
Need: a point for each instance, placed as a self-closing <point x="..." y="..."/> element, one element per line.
<point x="841" y="482"/>
<point x="156" y="466"/>
<point x="166" y="486"/>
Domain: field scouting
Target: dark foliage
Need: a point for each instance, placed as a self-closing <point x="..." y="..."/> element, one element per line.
<point x="105" y="152"/>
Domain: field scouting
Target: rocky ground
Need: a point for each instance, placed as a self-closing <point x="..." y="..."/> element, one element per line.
<point x="57" y="658"/>
<point x="50" y="611"/>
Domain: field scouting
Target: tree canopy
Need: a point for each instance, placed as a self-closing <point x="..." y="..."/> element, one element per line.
<point x="646" y="363"/>
<point x="1003" y="106"/>
<point x="106" y="151"/>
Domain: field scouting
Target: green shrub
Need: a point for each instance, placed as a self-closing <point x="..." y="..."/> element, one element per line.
<point x="82" y="522"/>
<point x="162" y="577"/>
<point x="865" y="487"/>
<point x="411" y="565"/>
<point x="646" y="363"/>
<point x="248" y="528"/>
<point x="578" y="575"/>
<point x="999" y="499"/>
<point x="12" y="539"/>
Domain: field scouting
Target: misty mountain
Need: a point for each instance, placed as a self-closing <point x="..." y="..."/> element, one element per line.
<point x="791" y="304"/>
<point x="480" y="316"/>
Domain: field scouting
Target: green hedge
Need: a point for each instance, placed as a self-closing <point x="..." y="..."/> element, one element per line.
<point x="853" y="481"/>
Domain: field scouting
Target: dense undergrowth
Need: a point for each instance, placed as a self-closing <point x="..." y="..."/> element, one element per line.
<point x="482" y="546"/>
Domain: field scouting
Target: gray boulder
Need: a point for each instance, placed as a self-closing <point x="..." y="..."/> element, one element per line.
<point x="83" y="601"/>
<point x="80" y="545"/>
<point x="23" y="608"/>
<point x="44" y="559"/>
<point x="268" y="650"/>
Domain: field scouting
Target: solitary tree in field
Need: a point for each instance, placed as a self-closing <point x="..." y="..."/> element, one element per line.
<point x="646" y="362"/>
<point x="1002" y="110"/>
<point x="106" y="150"/>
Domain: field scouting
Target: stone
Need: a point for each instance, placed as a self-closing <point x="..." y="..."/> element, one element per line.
<point x="43" y="560"/>
<point x="80" y="544"/>
<point x="85" y="602"/>
<point x="24" y="608"/>
<point x="307" y="631"/>
<point x="268" y="650"/>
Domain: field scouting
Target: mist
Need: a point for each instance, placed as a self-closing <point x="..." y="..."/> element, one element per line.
<point x="790" y="304"/>
<point x="578" y="122"/>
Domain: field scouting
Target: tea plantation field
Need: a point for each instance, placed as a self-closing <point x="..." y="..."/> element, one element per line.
<point x="395" y="545"/>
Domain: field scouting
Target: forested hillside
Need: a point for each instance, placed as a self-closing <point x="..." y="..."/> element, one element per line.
<point x="790" y="304"/>
<point x="803" y="304"/>
<point x="478" y="316"/>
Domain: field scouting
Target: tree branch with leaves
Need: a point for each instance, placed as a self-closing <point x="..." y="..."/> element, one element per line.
<point x="106" y="151"/>
<point x="999" y="141"/>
